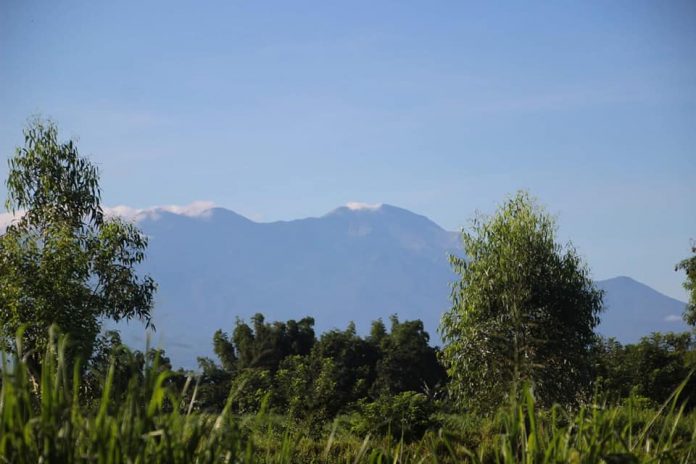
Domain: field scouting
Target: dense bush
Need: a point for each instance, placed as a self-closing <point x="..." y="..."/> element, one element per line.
<point x="651" y="368"/>
<point x="314" y="380"/>
<point x="406" y="415"/>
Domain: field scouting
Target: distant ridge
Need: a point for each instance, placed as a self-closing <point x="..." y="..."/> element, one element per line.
<point x="356" y="263"/>
<point x="633" y="310"/>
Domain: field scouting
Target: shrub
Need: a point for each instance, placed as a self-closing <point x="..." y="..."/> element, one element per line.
<point x="408" y="415"/>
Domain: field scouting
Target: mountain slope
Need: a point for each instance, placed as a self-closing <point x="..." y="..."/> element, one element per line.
<point x="633" y="310"/>
<point x="355" y="263"/>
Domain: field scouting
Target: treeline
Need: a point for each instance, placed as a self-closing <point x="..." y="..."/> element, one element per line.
<point x="317" y="378"/>
<point x="391" y="379"/>
<point x="309" y="378"/>
<point x="650" y="369"/>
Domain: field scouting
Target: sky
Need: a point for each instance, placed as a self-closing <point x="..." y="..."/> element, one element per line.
<point x="281" y="110"/>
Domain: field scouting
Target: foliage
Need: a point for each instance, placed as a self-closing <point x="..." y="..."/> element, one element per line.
<point x="264" y="345"/>
<point x="688" y="265"/>
<point x="355" y="361"/>
<point x="154" y="423"/>
<point x="522" y="321"/>
<point x="406" y="415"/>
<point x="652" y="368"/>
<point x="523" y="310"/>
<point x="250" y="389"/>
<point x="62" y="262"/>
<point x="315" y="380"/>
<point x="214" y="385"/>
<point x="305" y="389"/>
<point x="407" y="361"/>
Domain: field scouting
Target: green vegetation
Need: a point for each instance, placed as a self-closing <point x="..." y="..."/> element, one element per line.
<point x="313" y="380"/>
<point x="522" y="376"/>
<point x="155" y="420"/>
<point x="650" y="369"/>
<point x="524" y="311"/>
<point x="688" y="265"/>
<point x="62" y="262"/>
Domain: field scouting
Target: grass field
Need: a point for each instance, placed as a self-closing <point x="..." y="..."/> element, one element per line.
<point x="48" y="421"/>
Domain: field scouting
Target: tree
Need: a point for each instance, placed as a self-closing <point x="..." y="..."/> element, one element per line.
<point x="523" y="311"/>
<point x="246" y="353"/>
<point x="224" y="349"/>
<point x="213" y="385"/>
<point x="689" y="267"/>
<point x="407" y="362"/>
<point x="354" y="359"/>
<point x="314" y="380"/>
<point x="265" y="345"/>
<point x="62" y="262"/>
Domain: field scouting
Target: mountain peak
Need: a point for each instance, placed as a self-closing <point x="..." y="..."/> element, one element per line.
<point x="633" y="310"/>
<point x="358" y="206"/>
<point x="630" y="282"/>
<point x="364" y="209"/>
<point x="623" y="278"/>
<point x="354" y="207"/>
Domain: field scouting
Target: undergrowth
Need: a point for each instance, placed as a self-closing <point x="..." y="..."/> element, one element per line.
<point x="44" y="419"/>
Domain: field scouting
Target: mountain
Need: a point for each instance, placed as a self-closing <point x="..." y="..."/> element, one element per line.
<point x="356" y="263"/>
<point x="633" y="310"/>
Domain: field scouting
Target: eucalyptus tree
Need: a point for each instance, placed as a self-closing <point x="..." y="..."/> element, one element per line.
<point x="688" y="265"/>
<point x="523" y="310"/>
<point x="61" y="260"/>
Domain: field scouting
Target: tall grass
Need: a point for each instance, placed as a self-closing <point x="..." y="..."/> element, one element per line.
<point x="43" y="419"/>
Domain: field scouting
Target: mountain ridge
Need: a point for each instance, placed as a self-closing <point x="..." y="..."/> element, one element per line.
<point x="355" y="263"/>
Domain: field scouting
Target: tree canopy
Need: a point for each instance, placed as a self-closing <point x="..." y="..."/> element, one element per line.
<point x="523" y="310"/>
<point x="651" y="368"/>
<point x="62" y="261"/>
<point x="317" y="378"/>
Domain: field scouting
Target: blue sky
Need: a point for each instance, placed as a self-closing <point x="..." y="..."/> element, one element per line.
<point x="281" y="110"/>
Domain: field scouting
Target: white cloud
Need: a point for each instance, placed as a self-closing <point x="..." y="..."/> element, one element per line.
<point x="673" y="318"/>
<point x="192" y="209"/>
<point x="195" y="209"/>
<point x="123" y="211"/>
<point x="357" y="206"/>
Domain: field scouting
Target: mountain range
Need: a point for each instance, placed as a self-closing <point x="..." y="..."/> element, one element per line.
<point x="356" y="263"/>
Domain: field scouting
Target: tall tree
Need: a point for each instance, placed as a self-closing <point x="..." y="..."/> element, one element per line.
<point x="62" y="262"/>
<point x="224" y="349"/>
<point x="523" y="310"/>
<point x="688" y="265"/>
